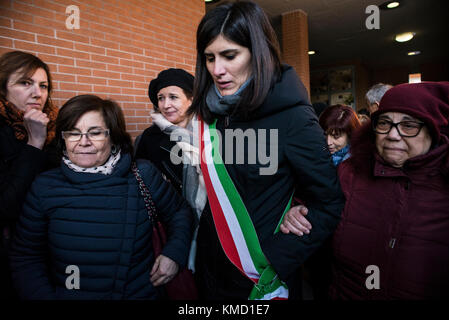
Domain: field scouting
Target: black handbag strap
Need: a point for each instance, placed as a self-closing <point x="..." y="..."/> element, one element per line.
<point x="149" y="204"/>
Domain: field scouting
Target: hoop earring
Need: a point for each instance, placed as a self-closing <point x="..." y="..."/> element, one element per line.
<point x="114" y="150"/>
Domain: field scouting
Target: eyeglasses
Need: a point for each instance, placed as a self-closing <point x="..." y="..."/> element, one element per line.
<point x="407" y="129"/>
<point x="94" y="135"/>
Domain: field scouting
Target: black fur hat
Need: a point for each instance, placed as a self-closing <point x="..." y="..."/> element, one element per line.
<point x="170" y="77"/>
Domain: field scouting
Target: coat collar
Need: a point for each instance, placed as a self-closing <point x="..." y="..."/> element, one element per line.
<point x="121" y="170"/>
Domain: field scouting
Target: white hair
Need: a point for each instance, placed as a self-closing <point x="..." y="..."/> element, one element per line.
<point x="376" y="92"/>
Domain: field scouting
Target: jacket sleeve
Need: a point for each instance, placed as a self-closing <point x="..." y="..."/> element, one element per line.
<point x="17" y="179"/>
<point x="317" y="186"/>
<point x="29" y="251"/>
<point x="139" y="146"/>
<point x="173" y="211"/>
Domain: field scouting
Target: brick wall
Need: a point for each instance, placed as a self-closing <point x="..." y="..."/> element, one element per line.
<point x="295" y="44"/>
<point x="120" y="47"/>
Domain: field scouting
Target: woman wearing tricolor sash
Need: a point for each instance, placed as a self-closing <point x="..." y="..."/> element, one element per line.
<point x="260" y="142"/>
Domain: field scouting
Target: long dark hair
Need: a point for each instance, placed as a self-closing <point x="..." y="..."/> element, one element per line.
<point x="246" y="24"/>
<point x="113" y="117"/>
<point x="27" y="63"/>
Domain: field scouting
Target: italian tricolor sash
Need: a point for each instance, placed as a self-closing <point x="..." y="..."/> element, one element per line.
<point x="235" y="229"/>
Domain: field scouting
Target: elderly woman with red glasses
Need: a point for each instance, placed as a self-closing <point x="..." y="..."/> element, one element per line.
<point x="393" y="239"/>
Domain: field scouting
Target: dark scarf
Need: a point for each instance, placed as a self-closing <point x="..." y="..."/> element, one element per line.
<point x="221" y="105"/>
<point x="14" y="118"/>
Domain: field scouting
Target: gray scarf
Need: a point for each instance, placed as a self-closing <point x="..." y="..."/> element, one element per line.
<point x="221" y="105"/>
<point x="193" y="187"/>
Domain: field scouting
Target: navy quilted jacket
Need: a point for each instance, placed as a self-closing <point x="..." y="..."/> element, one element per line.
<point x="100" y="224"/>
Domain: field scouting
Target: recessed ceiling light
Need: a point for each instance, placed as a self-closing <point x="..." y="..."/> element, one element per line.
<point x="413" y="53"/>
<point x="311" y="52"/>
<point x="389" y="5"/>
<point x="393" y="5"/>
<point x="403" y="37"/>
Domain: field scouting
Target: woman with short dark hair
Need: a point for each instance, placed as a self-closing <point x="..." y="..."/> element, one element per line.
<point x="243" y="93"/>
<point x="339" y="122"/>
<point x="89" y="215"/>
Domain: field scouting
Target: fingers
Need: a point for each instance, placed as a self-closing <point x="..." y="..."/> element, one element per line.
<point x="35" y="123"/>
<point x="284" y="229"/>
<point x="155" y="266"/>
<point x="295" y="222"/>
<point x="299" y="231"/>
<point x="303" y="210"/>
<point x="37" y="116"/>
<point x="164" y="270"/>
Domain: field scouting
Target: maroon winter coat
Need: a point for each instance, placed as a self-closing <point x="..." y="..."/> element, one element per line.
<point x="397" y="220"/>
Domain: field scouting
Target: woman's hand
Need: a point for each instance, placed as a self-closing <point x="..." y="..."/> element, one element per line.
<point x="164" y="269"/>
<point x="35" y="123"/>
<point x="295" y="222"/>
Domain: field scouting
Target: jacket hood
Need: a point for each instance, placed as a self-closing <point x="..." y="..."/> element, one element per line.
<point x="287" y="92"/>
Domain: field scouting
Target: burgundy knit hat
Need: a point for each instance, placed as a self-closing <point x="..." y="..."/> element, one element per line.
<point x="426" y="101"/>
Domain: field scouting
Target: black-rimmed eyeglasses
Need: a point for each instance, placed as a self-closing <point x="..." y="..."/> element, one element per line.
<point x="406" y="128"/>
<point x="94" y="135"/>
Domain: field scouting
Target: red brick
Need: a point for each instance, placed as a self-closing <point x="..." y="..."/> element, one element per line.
<point x="120" y="83"/>
<point x="51" y="23"/>
<point x="91" y="80"/>
<point x="5" y="22"/>
<point x="142" y="112"/>
<point x="90" y="64"/>
<point x="139" y="119"/>
<point x="4" y="42"/>
<point x="63" y="77"/>
<point x="57" y="59"/>
<point x="33" y="28"/>
<point x="49" y="5"/>
<point x="76" y="70"/>
<point x="28" y="46"/>
<point x="14" y="34"/>
<point x="121" y="46"/>
<point x="62" y="95"/>
<point x="72" y="53"/>
<point x="131" y="77"/>
<point x="119" y="69"/>
<point x="103" y="58"/>
<point x="17" y="16"/>
<point x="118" y="54"/>
<point x="91" y="49"/>
<point x="72" y="36"/>
<point x="67" y="86"/>
<point x="120" y="98"/>
<point x="104" y="44"/>
<point x="131" y="49"/>
<point x="106" y="74"/>
<point x="143" y="99"/>
<point x="137" y="92"/>
<point x="107" y="89"/>
<point x="140" y="85"/>
<point x="55" y="42"/>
